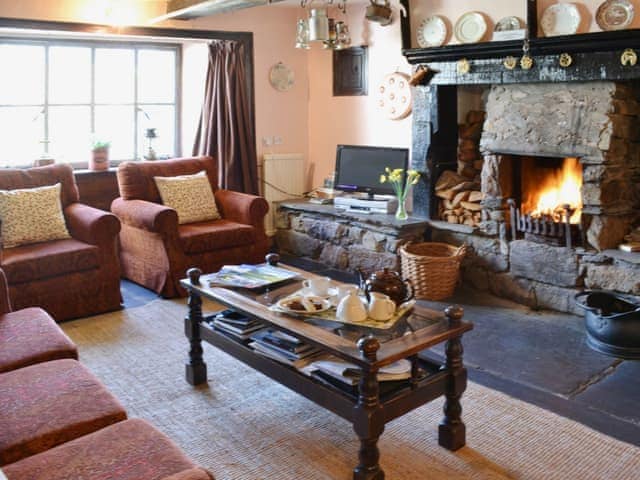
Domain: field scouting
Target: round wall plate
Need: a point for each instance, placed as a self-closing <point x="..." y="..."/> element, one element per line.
<point x="470" y="27"/>
<point x="281" y="77"/>
<point x="615" y="15"/>
<point x="560" y="19"/>
<point x="508" y="23"/>
<point x="395" y="96"/>
<point x="432" y="32"/>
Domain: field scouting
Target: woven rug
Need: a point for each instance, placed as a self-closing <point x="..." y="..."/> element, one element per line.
<point x="244" y="426"/>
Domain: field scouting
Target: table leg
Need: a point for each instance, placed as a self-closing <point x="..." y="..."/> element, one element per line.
<point x="369" y="427"/>
<point x="452" y="431"/>
<point x="196" y="369"/>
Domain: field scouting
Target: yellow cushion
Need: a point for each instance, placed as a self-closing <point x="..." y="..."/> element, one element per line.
<point x="31" y="215"/>
<point x="190" y="196"/>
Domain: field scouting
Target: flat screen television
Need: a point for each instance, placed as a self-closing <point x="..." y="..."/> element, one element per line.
<point x="358" y="168"/>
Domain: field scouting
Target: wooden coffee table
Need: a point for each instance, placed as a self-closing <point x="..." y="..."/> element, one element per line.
<point x="370" y="349"/>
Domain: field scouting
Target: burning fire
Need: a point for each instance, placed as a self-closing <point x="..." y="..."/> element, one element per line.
<point x="555" y="191"/>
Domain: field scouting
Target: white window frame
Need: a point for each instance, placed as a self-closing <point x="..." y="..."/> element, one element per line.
<point x="48" y="43"/>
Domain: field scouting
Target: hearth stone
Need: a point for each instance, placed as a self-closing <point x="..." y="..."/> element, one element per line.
<point x="545" y="263"/>
<point x="301" y="244"/>
<point x="622" y="278"/>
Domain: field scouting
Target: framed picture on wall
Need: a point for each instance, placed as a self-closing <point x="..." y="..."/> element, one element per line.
<point x="350" y="72"/>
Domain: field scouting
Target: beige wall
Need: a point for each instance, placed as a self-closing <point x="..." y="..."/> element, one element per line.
<point x="354" y="119"/>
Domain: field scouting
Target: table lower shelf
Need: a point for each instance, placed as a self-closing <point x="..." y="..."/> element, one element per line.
<point x="394" y="400"/>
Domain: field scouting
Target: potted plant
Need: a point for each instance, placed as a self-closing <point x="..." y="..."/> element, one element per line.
<point x="99" y="155"/>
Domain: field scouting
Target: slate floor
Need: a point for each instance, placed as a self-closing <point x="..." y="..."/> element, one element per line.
<point x="537" y="356"/>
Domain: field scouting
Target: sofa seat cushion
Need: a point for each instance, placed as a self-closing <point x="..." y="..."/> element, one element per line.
<point x="50" y="403"/>
<point x="130" y="450"/>
<point x="31" y="336"/>
<point x="50" y="259"/>
<point x="215" y="235"/>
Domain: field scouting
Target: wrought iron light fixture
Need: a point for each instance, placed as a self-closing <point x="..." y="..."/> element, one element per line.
<point x="318" y="27"/>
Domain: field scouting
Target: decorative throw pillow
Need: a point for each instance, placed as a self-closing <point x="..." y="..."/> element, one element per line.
<point x="190" y="196"/>
<point x="32" y="215"/>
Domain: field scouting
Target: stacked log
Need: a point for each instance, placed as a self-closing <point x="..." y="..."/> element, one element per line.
<point x="469" y="159"/>
<point x="460" y="199"/>
<point x="460" y="191"/>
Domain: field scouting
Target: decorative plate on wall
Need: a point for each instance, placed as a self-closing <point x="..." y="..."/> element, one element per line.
<point x="470" y="27"/>
<point x="560" y="19"/>
<point x="394" y="96"/>
<point x="507" y="24"/>
<point x="281" y="77"/>
<point x="615" y="15"/>
<point x="432" y="32"/>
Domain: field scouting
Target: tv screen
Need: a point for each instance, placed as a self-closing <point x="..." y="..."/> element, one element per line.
<point x="358" y="168"/>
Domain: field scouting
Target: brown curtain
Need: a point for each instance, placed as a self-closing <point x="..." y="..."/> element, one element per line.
<point x="225" y="131"/>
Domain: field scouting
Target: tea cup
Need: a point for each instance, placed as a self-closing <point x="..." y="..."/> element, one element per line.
<point x="318" y="285"/>
<point x="381" y="307"/>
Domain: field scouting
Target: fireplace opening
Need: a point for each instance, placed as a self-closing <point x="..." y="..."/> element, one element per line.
<point x="546" y="200"/>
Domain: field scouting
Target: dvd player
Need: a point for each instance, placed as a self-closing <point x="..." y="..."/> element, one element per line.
<point x="384" y="206"/>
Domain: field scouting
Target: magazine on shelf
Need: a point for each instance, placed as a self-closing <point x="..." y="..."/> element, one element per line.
<point x="249" y="276"/>
<point x="275" y="340"/>
<point x="350" y="374"/>
<point x="279" y="357"/>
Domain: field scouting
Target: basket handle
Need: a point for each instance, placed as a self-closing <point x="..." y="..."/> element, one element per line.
<point x="462" y="250"/>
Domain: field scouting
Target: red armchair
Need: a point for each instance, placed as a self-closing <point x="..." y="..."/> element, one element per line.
<point x="69" y="278"/>
<point x="156" y="251"/>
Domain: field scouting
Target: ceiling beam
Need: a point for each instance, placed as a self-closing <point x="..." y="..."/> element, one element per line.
<point x="190" y="9"/>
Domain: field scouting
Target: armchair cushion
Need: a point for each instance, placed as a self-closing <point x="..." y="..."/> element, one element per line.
<point x="129" y="450"/>
<point x="215" y="235"/>
<point x="51" y="259"/>
<point x="31" y="215"/>
<point x="31" y="336"/>
<point x="190" y="196"/>
<point x="50" y="403"/>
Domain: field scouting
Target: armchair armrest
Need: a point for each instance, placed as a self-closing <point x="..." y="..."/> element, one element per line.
<point x="191" y="474"/>
<point x="91" y="225"/>
<point x="242" y="207"/>
<point x="5" y="302"/>
<point x="146" y="215"/>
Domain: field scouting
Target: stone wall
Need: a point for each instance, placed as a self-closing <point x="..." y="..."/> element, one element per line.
<point x="344" y="240"/>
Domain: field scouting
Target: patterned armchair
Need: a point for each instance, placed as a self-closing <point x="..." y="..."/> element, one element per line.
<point x="70" y="277"/>
<point x="156" y="251"/>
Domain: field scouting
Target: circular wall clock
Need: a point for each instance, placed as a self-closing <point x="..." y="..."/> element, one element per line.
<point x="395" y="96"/>
<point x="281" y="77"/>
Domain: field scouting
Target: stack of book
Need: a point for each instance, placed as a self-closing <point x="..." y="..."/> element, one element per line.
<point x="284" y="348"/>
<point x="235" y="324"/>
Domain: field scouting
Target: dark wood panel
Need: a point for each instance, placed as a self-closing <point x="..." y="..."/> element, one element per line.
<point x="97" y="189"/>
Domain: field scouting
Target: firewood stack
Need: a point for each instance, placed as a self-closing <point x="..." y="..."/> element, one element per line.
<point x="460" y="191"/>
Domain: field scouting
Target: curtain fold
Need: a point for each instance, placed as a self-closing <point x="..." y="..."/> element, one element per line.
<point x="225" y="131"/>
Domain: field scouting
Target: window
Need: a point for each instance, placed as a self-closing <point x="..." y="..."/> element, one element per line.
<point x="57" y="96"/>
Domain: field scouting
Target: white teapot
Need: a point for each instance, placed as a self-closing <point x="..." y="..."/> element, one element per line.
<point x="351" y="308"/>
<point x="381" y="307"/>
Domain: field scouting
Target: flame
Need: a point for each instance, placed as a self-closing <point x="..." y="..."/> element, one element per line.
<point x="557" y="190"/>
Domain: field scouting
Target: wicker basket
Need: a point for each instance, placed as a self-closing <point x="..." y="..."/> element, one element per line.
<point x="433" y="268"/>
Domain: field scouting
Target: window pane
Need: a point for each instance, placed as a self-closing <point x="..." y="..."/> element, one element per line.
<point x="22" y="77"/>
<point x="162" y="118"/>
<point x="69" y="75"/>
<point x="70" y="133"/>
<point x="156" y="76"/>
<point x="115" y="75"/>
<point x="22" y="143"/>
<point x="115" y="124"/>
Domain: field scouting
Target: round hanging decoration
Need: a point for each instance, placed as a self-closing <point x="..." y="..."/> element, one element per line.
<point x="281" y="77"/>
<point x="395" y="96"/>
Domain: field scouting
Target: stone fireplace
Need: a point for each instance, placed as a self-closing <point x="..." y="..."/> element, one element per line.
<point x="559" y="185"/>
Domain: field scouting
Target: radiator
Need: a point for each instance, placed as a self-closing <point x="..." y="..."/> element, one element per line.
<point x="283" y="178"/>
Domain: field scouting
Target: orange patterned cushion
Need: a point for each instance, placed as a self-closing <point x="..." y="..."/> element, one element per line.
<point x="190" y="196"/>
<point x="31" y="215"/>
<point x="50" y="403"/>
<point x="31" y="336"/>
<point x="130" y="450"/>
